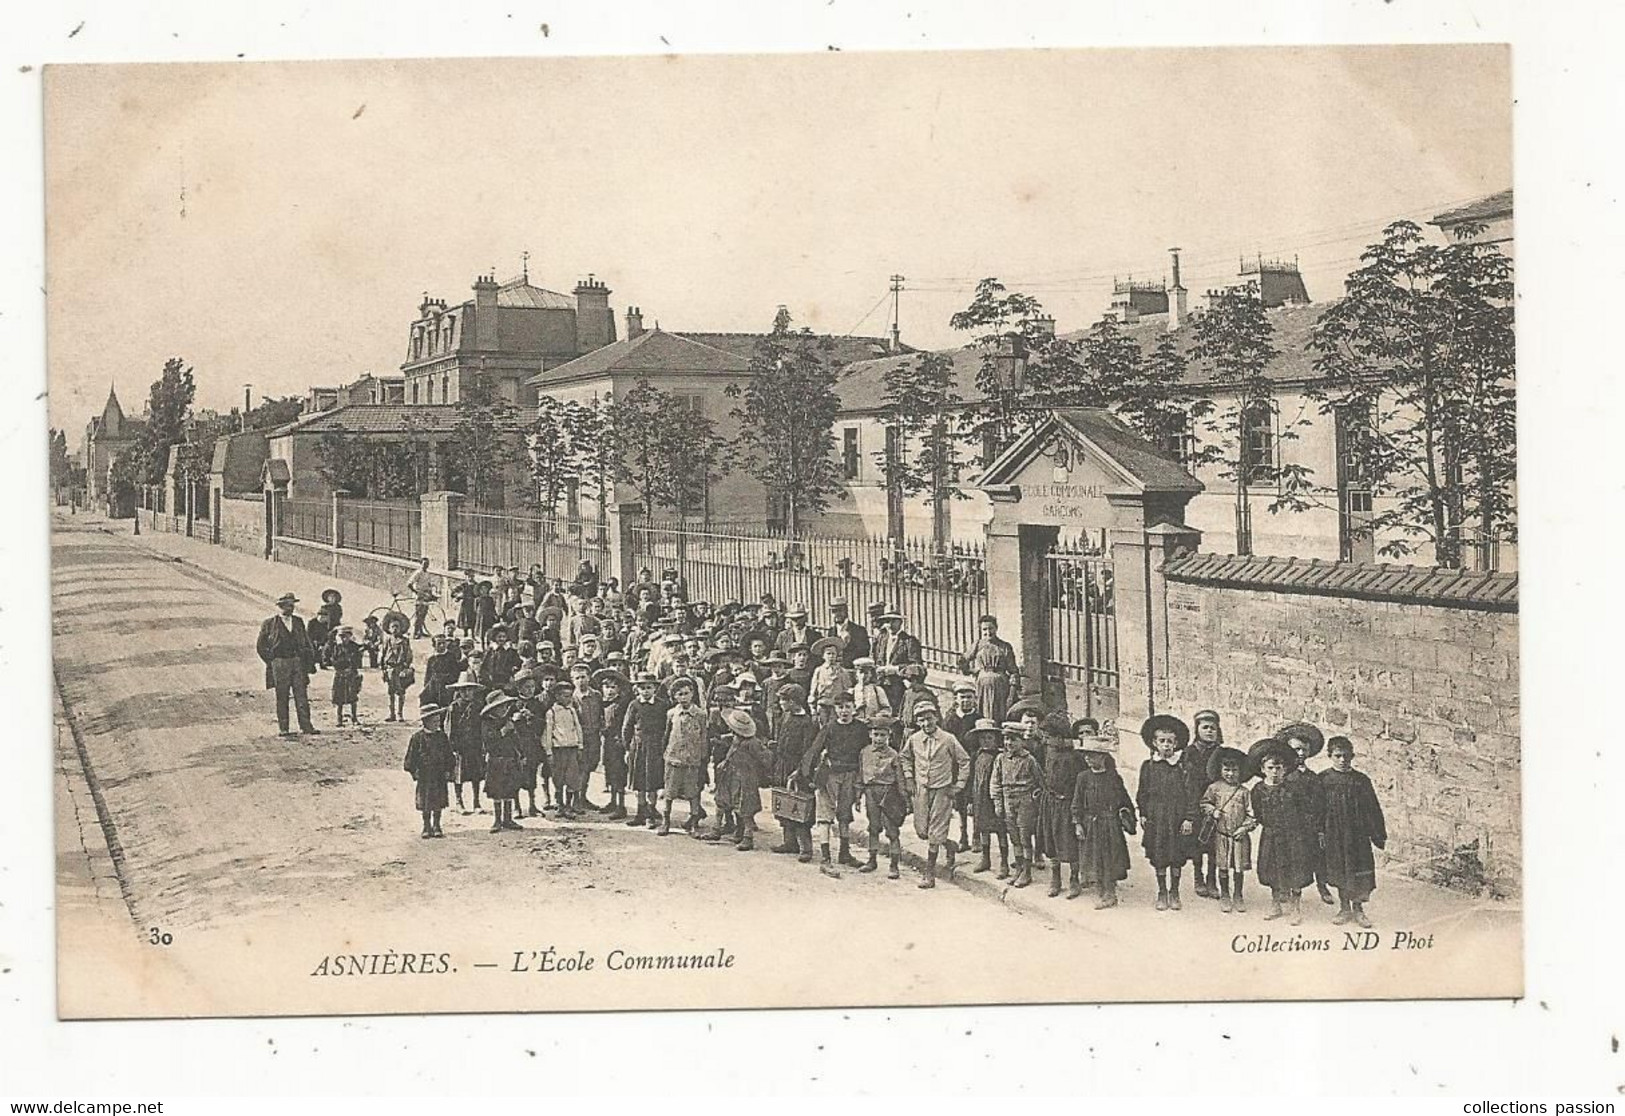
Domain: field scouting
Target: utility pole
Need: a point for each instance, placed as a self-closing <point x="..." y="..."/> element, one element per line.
<point x="896" y="322"/>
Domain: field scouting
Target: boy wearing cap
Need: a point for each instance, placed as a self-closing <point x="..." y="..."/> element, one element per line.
<point x="429" y="760"/>
<point x="831" y="768"/>
<point x="884" y="789"/>
<point x="959" y="721"/>
<point x="935" y="771"/>
<point x="796" y="630"/>
<point x="644" y="736"/>
<point x="613" y="697"/>
<point x="590" y="708"/>
<point x="684" y="752"/>
<point x="986" y="738"/>
<point x="895" y="651"/>
<point x="501" y="660"/>
<point x="1014" y="788"/>
<point x="915" y="691"/>
<point x="562" y="740"/>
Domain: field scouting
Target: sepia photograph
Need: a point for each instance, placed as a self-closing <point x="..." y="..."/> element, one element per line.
<point x="789" y="530"/>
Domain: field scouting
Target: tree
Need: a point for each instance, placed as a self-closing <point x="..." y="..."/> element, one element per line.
<point x="267" y="415"/>
<point x="486" y="443"/>
<point x="1008" y="328"/>
<point x="786" y="421"/>
<point x="665" y="450"/>
<point x="1234" y="341"/>
<point x="588" y="426"/>
<point x="125" y="477"/>
<point x="368" y="468"/>
<point x="926" y="433"/>
<point x="558" y="443"/>
<point x="169" y="405"/>
<point x="1167" y="412"/>
<point x="1422" y="350"/>
<point x="61" y="469"/>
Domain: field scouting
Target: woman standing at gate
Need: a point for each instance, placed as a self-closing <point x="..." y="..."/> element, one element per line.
<point x="992" y="661"/>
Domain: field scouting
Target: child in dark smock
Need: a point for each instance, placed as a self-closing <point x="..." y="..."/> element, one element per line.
<point x="1289" y="847"/>
<point x="1102" y="812"/>
<point x="1352" y="824"/>
<point x="466" y="733"/>
<point x="1167" y="804"/>
<point x="430" y="760"/>
<point x="345" y="657"/>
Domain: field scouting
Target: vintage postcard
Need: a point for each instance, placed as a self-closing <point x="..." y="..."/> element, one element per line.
<point x="784" y="531"/>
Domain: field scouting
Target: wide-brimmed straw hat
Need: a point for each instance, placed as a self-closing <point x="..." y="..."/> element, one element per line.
<point x="1159" y="721"/>
<point x="1271" y="746"/>
<point x="982" y="727"/>
<point x="1308" y="733"/>
<point x="1223" y="755"/>
<point x="430" y="710"/>
<point x="740" y="723"/>
<point x="287" y="598"/>
<point x="607" y="674"/>
<point x="825" y="644"/>
<point x="497" y="703"/>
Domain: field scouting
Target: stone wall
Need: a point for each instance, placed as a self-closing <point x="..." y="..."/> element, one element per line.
<point x="380" y="572"/>
<point x="242" y="524"/>
<point x="1427" y="691"/>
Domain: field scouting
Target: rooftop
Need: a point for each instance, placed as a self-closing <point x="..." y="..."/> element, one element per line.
<point x="1496" y="205"/>
<point x="518" y="294"/>
<point x="847" y="350"/>
<point x="653" y="351"/>
<point x="382" y="418"/>
<point x="863" y="386"/>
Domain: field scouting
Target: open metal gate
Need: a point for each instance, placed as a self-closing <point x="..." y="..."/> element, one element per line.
<point x="1081" y="641"/>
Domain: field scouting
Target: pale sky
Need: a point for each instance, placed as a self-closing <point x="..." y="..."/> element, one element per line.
<point x="277" y="224"/>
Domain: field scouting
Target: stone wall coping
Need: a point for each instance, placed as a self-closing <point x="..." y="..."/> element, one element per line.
<point x="1469" y="589"/>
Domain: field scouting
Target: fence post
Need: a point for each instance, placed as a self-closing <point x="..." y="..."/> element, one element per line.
<point x="439" y="529"/>
<point x="620" y="520"/>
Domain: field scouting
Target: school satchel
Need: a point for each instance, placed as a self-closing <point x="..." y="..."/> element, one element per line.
<point x="791" y="805"/>
<point x="1210" y="822"/>
<point x="1126" y="817"/>
<point x="408" y="675"/>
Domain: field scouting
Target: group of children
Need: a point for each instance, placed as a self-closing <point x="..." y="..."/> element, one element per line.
<point x="671" y="700"/>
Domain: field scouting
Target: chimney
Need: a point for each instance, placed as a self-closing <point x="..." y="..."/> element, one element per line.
<point x="1045" y="325"/>
<point x="485" y="313"/>
<point x="1177" y="312"/>
<point x="595" y="321"/>
<point x="634" y="322"/>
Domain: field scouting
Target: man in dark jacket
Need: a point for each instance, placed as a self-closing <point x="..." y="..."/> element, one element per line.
<point x="895" y="649"/>
<point x="290" y="659"/>
<point x="853" y="637"/>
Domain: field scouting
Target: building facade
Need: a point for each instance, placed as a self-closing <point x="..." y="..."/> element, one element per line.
<point x="106" y="436"/>
<point x="509" y="332"/>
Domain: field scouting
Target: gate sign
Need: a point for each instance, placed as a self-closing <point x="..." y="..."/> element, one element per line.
<point x="1063" y="472"/>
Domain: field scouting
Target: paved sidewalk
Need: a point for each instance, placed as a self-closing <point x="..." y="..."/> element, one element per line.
<point x="1398" y="900"/>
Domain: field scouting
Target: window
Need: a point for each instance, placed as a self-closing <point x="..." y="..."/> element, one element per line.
<point x="849" y="452"/>
<point x="445" y="387"/>
<point x="1258" y="442"/>
<point x="414" y="391"/>
<point x="1179" y="443"/>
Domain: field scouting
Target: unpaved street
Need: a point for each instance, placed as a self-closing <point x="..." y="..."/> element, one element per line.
<point x="259" y="857"/>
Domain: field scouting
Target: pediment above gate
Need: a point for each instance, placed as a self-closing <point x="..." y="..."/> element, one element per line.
<point x="1073" y="465"/>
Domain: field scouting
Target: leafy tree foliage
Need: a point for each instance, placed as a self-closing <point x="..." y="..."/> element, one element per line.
<point x="1422" y="347"/>
<point x="924" y="454"/>
<point x="486" y="444"/>
<point x="169" y="406"/>
<point x="786" y="416"/>
<point x="663" y="449"/>
<point x="1234" y="341"/>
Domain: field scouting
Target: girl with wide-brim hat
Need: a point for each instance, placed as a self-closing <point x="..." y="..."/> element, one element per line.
<point x="1227" y="819"/>
<point x="1102" y="816"/>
